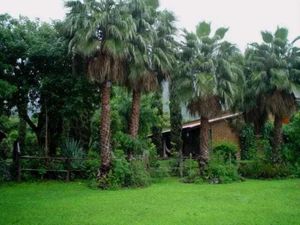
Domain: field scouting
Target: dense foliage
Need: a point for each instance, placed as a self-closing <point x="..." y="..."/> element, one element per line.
<point x="91" y="86"/>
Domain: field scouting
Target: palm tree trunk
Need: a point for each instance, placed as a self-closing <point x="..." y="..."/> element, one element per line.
<point x="105" y="131"/>
<point x="157" y="129"/>
<point x="277" y="139"/>
<point x="135" y="114"/>
<point x="175" y="119"/>
<point x="204" y="145"/>
<point x="135" y="117"/>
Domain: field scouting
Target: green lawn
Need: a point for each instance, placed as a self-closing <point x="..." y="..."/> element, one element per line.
<point x="168" y="202"/>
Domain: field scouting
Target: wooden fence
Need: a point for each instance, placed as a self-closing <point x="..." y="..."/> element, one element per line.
<point x="67" y="170"/>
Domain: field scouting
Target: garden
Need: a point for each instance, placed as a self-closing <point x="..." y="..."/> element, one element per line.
<point x="96" y="112"/>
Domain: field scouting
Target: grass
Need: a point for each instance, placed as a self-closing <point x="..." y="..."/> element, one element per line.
<point x="168" y="202"/>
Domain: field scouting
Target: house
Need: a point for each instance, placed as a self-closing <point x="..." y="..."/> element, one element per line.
<point x="220" y="130"/>
<point x="296" y="92"/>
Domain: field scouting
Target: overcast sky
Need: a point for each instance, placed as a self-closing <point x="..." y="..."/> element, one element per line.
<point x="245" y="18"/>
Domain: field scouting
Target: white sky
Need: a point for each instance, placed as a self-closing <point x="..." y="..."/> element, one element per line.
<point x="245" y="18"/>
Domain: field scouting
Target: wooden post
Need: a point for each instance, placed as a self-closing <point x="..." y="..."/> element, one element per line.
<point x="17" y="160"/>
<point x="180" y="165"/>
<point x="46" y="134"/>
<point x="190" y="164"/>
<point x="18" y="164"/>
<point x="68" y="169"/>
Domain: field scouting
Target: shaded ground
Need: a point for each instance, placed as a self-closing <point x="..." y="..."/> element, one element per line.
<point x="168" y="202"/>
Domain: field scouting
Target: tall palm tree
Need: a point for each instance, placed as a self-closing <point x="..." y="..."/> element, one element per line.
<point x="209" y="82"/>
<point x="148" y="60"/>
<point x="272" y="79"/>
<point x="99" y="30"/>
<point x="141" y="77"/>
<point x="165" y="49"/>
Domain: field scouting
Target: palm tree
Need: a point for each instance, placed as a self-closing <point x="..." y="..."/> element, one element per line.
<point x="141" y="77"/>
<point x="164" y="61"/>
<point x="272" y="79"/>
<point x="175" y="110"/>
<point x="99" y="30"/>
<point x="208" y="85"/>
<point x="148" y="60"/>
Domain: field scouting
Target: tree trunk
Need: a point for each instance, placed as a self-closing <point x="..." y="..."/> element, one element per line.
<point x="105" y="143"/>
<point x="22" y="110"/>
<point x="134" y="117"/>
<point x="157" y="138"/>
<point x="277" y="139"/>
<point x="204" y="145"/>
<point x="22" y="134"/>
<point x="135" y="114"/>
<point x="175" y="119"/>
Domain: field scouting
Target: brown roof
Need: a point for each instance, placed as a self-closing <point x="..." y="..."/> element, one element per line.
<point x="197" y="122"/>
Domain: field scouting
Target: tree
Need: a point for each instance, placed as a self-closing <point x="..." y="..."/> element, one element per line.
<point x="150" y="58"/>
<point x="141" y="77"/>
<point x="99" y="30"/>
<point x="35" y="61"/>
<point x="209" y="82"/>
<point x="175" y="112"/>
<point x="178" y="75"/>
<point x="166" y="47"/>
<point x="272" y="79"/>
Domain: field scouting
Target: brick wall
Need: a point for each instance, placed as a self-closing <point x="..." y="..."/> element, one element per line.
<point x="221" y="131"/>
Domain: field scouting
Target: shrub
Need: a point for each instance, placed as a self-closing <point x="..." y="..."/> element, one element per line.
<point x="140" y="177"/>
<point x="91" y="165"/>
<point x="173" y="166"/>
<point x="248" y="144"/>
<point x="226" y="151"/>
<point x="190" y="171"/>
<point x="71" y="149"/>
<point x="160" y="170"/>
<point x="294" y="169"/>
<point x="220" y="172"/>
<point x="4" y="171"/>
<point x="127" y="174"/>
<point x="136" y="145"/>
<point x="263" y="169"/>
<point x="120" y="174"/>
<point x="159" y="173"/>
<point x="291" y="148"/>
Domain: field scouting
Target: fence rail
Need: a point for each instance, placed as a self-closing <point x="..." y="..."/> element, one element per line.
<point x="68" y="170"/>
<point x="47" y="160"/>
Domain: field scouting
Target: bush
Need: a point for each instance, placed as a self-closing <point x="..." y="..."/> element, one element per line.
<point x="173" y="166"/>
<point x="120" y="174"/>
<point x="72" y="149"/>
<point x="291" y="148"/>
<point x="160" y="171"/>
<point x="226" y="151"/>
<point x="220" y="172"/>
<point x="127" y="174"/>
<point x="4" y="171"/>
<point x="294" y="169"/>
<point x="140" y="177"/>
<point x="91" y="165"/>
<point x="128" y="144"/>
<point x="157" y="174"/>
<point x="248" y="144"/>
<point x="263" y="169"/>
<point x="190" y="171"/>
